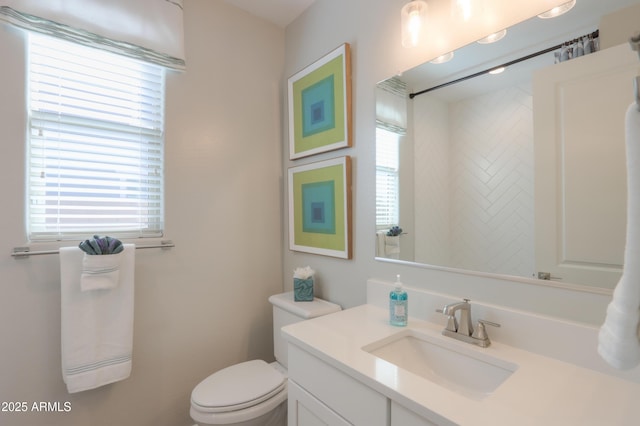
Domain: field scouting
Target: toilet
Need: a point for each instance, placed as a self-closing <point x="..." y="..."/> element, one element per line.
<point x="254" y="393"/>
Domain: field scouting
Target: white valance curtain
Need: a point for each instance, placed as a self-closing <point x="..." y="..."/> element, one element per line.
<point x="151" y="30"/>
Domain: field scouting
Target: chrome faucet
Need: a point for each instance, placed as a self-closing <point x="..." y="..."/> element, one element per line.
<point x="464" y="326"/>
<point x="463" y="330"/>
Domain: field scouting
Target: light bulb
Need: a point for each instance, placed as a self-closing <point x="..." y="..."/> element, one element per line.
<point x="498" y="70"/>
<point x="464" y="6"/>
<point x="492" y="38"/>
<point x="466" y="9"/>
<point x="558" y="10"/>
<point x="442" y="58"/>
<point x="414" y="16"/>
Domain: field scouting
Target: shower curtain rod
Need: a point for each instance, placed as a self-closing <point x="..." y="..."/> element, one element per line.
<point x="25" y="252"/>
<point x="486" y="71"/>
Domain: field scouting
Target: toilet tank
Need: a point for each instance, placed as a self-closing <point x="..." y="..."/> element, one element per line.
<point x="286" y="311"/>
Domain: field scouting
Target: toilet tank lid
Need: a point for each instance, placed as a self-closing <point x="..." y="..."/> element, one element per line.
<point x="306" y="310"/>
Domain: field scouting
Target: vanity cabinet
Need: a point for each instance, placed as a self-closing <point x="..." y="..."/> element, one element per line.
<point x="320" y="394"/>
<point x="305" y="409"/>
<point x="401" y="416"/>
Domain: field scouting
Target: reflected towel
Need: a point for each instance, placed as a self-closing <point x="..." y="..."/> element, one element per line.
<point x="96" y="326"/>
<point x="392" y="245"/>
<point x="618" y="341"/>
<point x="100" y="272"/>
<point x="380" y="236"/>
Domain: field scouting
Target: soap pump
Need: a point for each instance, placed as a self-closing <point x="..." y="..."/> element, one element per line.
<point x="398" y="305"/>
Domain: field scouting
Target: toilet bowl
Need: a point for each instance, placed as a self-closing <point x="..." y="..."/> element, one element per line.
<point x="254" y="393"/>
<point x="251" y="393"/>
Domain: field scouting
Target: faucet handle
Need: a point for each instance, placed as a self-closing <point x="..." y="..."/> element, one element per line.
<point x="452" y="323"/>
<point x="481" y="332"/>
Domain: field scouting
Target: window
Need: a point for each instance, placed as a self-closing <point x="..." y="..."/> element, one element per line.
<point x="387" y="177"/>
<point x="95" y="143"/>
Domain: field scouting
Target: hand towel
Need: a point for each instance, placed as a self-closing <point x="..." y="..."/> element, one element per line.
<point x="100" y="272"/>
<point x="380" y="236"/>
<point x="618" y="341"/>
<point x="392" y="246"/>
<point x="96" y="326"/>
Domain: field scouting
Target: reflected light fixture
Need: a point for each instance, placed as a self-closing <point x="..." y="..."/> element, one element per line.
<point x="414" y="17"/>
<point x="442" y="58"/>
<point x="492" y="38"/>
<point x="558" y="10"/>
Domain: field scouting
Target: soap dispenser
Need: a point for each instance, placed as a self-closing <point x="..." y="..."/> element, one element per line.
<point x="398" y="305"/>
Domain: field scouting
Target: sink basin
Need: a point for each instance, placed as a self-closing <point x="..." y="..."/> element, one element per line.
<point x="446" y="362"/>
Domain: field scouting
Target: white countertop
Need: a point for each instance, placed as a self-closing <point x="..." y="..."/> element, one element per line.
<point x="542" y="391"/>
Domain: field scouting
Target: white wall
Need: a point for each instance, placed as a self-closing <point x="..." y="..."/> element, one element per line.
<point x="372" y="29"/>
<point x="200" y="306"/>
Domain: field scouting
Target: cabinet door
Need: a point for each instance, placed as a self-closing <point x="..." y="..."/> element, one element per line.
<point x="352" y="400"/>
<point x="580" y="167"/>
<point x="401" y="416"/>
<point x="305" y="410"/>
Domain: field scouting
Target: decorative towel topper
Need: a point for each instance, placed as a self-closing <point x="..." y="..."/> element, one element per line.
<point x="104" y="245"/>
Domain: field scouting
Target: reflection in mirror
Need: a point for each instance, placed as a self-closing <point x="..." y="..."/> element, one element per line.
<point x="521" y="173"/>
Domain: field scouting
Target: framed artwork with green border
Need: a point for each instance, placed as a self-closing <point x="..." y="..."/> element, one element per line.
<point x="320" y="105"/>
<point x="320" y="208"/>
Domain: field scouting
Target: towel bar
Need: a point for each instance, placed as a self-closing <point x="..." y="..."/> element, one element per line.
<point x="25" y="251"/>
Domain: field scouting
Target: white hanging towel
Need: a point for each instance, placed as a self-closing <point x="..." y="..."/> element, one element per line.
<point x="97" y="325"/>
<point x="618" y="341"/>
<point x="380" y="236"/>
<point x="100" y="272"/>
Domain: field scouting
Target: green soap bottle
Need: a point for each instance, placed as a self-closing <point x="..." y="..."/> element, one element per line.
<point x="398" y="305"/>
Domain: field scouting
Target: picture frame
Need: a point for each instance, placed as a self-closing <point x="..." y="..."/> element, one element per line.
<point x="319" y="101"/>
<point x="320" y="208"/>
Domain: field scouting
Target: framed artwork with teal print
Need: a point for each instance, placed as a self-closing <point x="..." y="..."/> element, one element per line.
<point x="320" y="208"/>
<point x="320" y="105"/>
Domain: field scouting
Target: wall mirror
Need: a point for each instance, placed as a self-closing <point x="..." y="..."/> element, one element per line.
<point x="519" y="174"/>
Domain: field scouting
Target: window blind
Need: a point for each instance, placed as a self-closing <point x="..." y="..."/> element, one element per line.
<point x="95" y="143"/>
<point x="387" y="179"/>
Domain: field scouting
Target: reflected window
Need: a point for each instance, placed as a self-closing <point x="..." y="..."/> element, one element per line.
<point x="387" y="178"/>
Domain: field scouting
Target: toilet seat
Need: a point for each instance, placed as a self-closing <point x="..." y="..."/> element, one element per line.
<point x="238" y="387"/>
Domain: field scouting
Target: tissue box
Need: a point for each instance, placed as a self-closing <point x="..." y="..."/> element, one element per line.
<point x="303" y="289"/>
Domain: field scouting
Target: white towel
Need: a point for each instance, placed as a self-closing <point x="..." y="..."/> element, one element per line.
<point x="618" y="341"/>
<point x="380" y="236"/>
<point x="100" y="272"/>
<point x="392" y="246"/>
<point x="96" y="326"/>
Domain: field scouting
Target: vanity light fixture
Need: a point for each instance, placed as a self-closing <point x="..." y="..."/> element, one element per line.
<point x="442" y="58"/>
<point x="465" y="9"/>
<point x="492" y="38"/>
<point x="414" y="17"/>
<point x="558" y="10"/>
